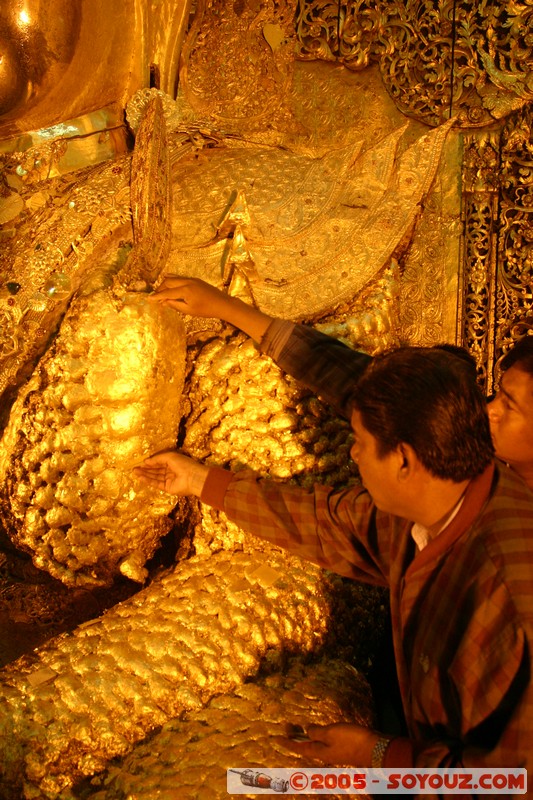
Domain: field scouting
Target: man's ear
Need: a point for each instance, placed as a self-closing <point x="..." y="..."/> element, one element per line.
<point x="407" y="460"/>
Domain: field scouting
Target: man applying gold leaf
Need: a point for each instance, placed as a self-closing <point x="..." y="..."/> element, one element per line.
<point x="441" y="523"/>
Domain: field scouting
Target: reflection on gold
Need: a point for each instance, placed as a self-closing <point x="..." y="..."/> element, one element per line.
<point x="39" y="50"/>
<point x="24" y="18"/>
<point x="48" y="46"/>
<point x="79" y="425"/>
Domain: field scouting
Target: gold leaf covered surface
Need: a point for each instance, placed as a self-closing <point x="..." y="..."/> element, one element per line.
<point x="106" y="395"/>
<point x="237" y="730"/>
<point x="320" y="228"/>
<point x="201" y="630"/>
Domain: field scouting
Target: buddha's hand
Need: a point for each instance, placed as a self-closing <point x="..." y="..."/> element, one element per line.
<point x="173" y="473"/>
<point x="192" y="296"/>
<point x="341" y="744"/>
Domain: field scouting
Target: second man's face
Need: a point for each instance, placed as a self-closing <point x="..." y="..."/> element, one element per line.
<point x="511" y="419"/>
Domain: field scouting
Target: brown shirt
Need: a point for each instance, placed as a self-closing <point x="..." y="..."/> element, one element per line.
<point x="462" y="609"/>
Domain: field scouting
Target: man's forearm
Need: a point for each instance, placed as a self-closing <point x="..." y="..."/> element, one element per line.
<point x="245" y="317"/>
<point x="318" y="525"/>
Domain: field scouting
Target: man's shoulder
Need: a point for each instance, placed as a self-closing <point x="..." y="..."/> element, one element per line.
<point x="509" y="488"/>
<point x="505" y="526"/>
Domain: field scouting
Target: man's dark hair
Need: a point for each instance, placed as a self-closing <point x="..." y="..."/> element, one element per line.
<point x="428" y="398"/>
<point x="520" y="356"/>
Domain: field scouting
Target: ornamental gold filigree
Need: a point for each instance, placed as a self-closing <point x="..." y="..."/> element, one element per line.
<point x="60" y="225"/>
<point x="428" y="284"/>
<point x="470" y="61"/>
<point x="497" y="299"/>
<point x="236" y="63"/>
<point x="319" y="228"/>
<point x="346" y="32"/>
<point x="480" y="209"/>
<point x="514" y="300"/>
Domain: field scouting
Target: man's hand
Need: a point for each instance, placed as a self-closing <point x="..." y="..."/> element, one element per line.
<point x="342" y="744"/>
<point x="200" y="299"/>
<point x="192" y="296"/>
<point x="173" y="473"/>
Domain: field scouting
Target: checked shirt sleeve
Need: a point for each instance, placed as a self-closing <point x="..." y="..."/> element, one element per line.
<point x="504" y="738"/>
<point x="334" y="529"/>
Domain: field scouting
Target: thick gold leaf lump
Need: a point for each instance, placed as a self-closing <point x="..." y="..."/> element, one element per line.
<point x="106" y="394"/>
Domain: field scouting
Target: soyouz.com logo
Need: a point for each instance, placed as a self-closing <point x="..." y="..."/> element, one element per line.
<point x="406" y="781"/>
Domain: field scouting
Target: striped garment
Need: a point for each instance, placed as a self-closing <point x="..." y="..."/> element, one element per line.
<point x="462" y="609"/>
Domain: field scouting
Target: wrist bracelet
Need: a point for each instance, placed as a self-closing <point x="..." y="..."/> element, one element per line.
<point x="378" y="752"/>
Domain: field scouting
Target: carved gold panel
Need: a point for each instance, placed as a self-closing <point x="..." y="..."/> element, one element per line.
<point x="436" y="59"/>
<point x="496" y="300"/>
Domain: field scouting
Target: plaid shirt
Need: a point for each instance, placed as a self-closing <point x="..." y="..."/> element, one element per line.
<point x="462" y="609"/>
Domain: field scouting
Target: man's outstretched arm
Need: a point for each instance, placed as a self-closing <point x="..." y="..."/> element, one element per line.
<point x="324" y="365"/>
<point x="200" y="299"/>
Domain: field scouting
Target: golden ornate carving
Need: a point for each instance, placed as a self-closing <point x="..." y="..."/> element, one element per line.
<point x="514" y="290"/>
<point x="236" y="63"/>
<point x="428" y="283"/>
<point x="60" y="230"/>
<point x="472" y="61"/>
<point x="480" y="208"/>
<point x="345" y="32"/>
<point x="497" y="303"/>
<point x="319" y="229"/>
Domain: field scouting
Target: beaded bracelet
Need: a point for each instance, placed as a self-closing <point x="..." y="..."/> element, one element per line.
<point x="378" y="752"/>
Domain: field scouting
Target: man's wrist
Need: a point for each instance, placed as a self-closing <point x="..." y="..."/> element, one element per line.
<point x="247" y="318"/>
<point x="215" y="486"/>
<point x="197" y="479"/>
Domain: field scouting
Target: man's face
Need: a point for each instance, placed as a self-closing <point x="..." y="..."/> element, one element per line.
<point x="511" y="419"/>
<point x="379" y="475"/>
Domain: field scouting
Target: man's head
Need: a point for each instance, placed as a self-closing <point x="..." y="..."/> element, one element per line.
<point x="511" y="411"/>
<point x="428" y="400"/>
<point x="520" y="355"/>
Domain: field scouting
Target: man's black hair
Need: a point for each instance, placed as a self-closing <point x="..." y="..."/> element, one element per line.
<point x="520" y="356"/>
<point x="427" y="397"/>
